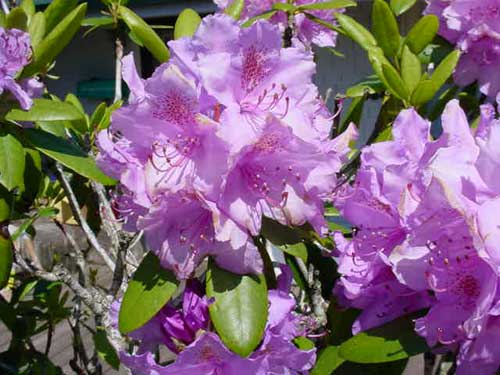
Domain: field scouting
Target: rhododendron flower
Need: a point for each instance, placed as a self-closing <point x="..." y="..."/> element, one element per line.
<point x="15" y="53"/>
<point x="308" y="31"/>
<point x="474" y="27"/>
<point x="201" y="351"/>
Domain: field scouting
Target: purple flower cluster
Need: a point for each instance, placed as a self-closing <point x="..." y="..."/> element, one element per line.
<point x="15" y="53"/>
<point x="186" y="331"/>
<point x="426" y="234"/>
<point x="231" y="129"/>
<point x="474" y="26"/>
<point x="307" y="31"/>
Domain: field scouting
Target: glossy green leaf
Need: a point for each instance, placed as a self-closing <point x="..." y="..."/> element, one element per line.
<point x="57" y="11"/>
<point x="17" y="19"/>
<point x="298" y="250"/>
<point x="422" y="33"/>
<point x="56" y="40"/>
<point x="328" y="361"/>
<point x="385" y="28"/>
<point x="29" y="7"/>
<point x="148" y="37"/>
<point x="5" y="204"/>
<point x="6" y="258"/>
<point x="37" y="28"/>
<point x="377" y="59"/>
<point x="12" y="162"/>
<point x="303" y="343"/>
<point x="262" y="16"/>
<point x="46" y="110"/>
<point x="67" y="154"/>
<point x="98" y="21"/>
<point x="285" y="7"/>
<point x="149" y="290"/>
<point x="105" y="350"/>
<point x="411" y="68"/>
<point x="391" y="342"/>
<point x="370" y="85"/>
<point x="401" y="6"/>
<point x="395" y="82"/>
<point x="356" y="31"/>
<point x="335" y="4"/>
<point x="445" y="69"/>
<point x="3" y="19"/>
<point x="423" y="93"/>
<point x="187" y="23"/>
<point x="235" y="8"/>
<point x="240" y="307"/>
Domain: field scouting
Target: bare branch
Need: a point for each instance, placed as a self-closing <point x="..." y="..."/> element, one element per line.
<point x="118" y="69"/>
<point x="75" y="208"/>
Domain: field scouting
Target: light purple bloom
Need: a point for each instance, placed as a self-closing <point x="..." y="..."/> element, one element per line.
<point x="474" y="27"/>
<point x="15" y="53"/>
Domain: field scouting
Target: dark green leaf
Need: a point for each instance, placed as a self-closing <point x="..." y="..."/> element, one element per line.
<point x="411" y="69"/>
<point x="385" y="28"/>
<point x="12" y="162"/>
<point x="356" y="31"/>
<point x="105" y="350"/>
<point x="395" y="82"/>
<point x="424" y="92"/>
<point x="46" y="110"/>
<point x="57" y="10"/>
<point x="391" y="342"/>
<point x="328" y="361"/>
<point x="298" y="250"/>
<point x="340" y="321"/>
<point x="239" y="310"/>
<point x="17" y="19"/>
<point x="335" y="4"/>
<point x="148" y="291"/>
<point x="97" y="21"/>
<point x="187" y="23"/>
<point x="29" y="7"/>
<point x="303" y="343"/>
<point x="67" y="154"/>
<point x="36" y="28"/>
<point x="57" y="39"/>
<point x="401" y="6"/>
<point x="279" y="234"/>
<point x="445" y="69"/>
<point x="235" y="8"/>
<point x="422" y="33"/>
<point x="6" y="258"/>
<point x="297" y="275"/>
<point x="391" y="368"/>
<point x="148" y="37"/>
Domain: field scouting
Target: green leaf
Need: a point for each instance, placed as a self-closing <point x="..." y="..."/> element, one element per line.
<point x="6" y="258"/>
<point x="279" y="234"/>
<point x="17" y="19"/>
<point x="97" y="21"/>
<point x="371" y="85"/>
<point x="395" y="82"/>
<point x="37" y="28"/>
<point x="298" y="250"/>
<point x="401" y="6"/>
<point x="411" y="69"/>
<point x="423" y="93"/>
<point x="80" y="125"/>
<point x="385" y="28"/>
<point x="67" y="154"/>
<point x="328" y="361"/>
<point x="391" y="368"/>
<point x="356" y="31"/>
<point x="391" y="342"/>
<point x="187" y="23"/>
<point x="12" y="161"/>
<point x="148" y="37"/>
<point x="57" y="11"/>
<point x="3" y="19"/>
<point x="285" y="7"/>
<point x="105" y="350"/>
<point x="57" y="39"/>
<point x="46" y="110"/>
<point x="29" y="7"/>
<point x="335" y="4"/>
<point x="445" y="69"/>
<point x="239" y="311"/>
<point x="262" y="16"/>
<point x="235" y="8"/>
<point x="303" y="343"/>
<point x="149" y="290"/>
<point x="422" y="33"/>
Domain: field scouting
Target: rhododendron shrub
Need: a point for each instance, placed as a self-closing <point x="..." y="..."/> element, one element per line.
<point x="243" y="225"/>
